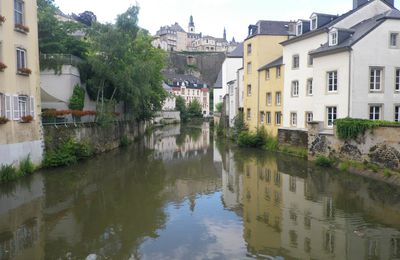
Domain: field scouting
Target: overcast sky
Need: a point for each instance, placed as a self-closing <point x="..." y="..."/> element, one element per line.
<point x="210" y="16"/>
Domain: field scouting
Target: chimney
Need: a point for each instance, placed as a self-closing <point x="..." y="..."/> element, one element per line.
<point x="358" y="3"/>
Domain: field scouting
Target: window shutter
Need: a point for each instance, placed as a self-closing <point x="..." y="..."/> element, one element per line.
<point x="32" y="106"/>
<point x="16" y="115"/>
<point x="8" y="107"/>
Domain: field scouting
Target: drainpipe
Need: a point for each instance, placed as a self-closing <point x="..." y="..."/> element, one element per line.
<point x="350" y="72"/>
<point x="258" y="100"/>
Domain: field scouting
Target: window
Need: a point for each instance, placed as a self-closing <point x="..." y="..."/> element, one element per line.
<point x="331" y="115"/>
<point x="293" y="119"/>
<point x="309" y="117"/>
<point x="310" y="61"/>
<point x="18" y="12"/>
<point x="296" y="61"/>
<point x="248" y="114"/>
<point x="2" y="107"/>
<point x="314" y="23"/>
<point x="295" y="88"/>
<point x="278" y="72"/>
<point x="278" y="118"/>
<point x="249" y="68"/>
<point x="333" y="38"/>
<point x="397" y="113"/>
<point x="309" y="87"/>
<point x="332" y="81"/>
<point x="8" y="106"/>
<point x="375" y="80"/>
<point x="278" y="98"/>
<point x="249" y="90"/>
<point x="299" y="28"/>
<point x="262" y="117"/>
<point x="266" y="74"/>
<point x="269" y="99"/>
<point x="394" y="40"/>
<point x="249" y="49"/>
<point x="21" y="58"/>
<point x="23" y="106"/>
<point x="375" y="112"/>
<point x="268" y="118"/>
<point x="397" y="80"/>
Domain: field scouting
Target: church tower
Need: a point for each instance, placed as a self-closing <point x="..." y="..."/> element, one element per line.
<point x="224" y="34"/>
<point x="191" y="28"/>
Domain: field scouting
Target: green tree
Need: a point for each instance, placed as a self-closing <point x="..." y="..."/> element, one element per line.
<point x="194" y="109"/>
<point x="180" y="105"/>
<point x="77" y="100"/>
<point x="219" y="107"/>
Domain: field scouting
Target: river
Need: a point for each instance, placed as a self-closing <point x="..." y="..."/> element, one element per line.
<point x="183" y="195"/>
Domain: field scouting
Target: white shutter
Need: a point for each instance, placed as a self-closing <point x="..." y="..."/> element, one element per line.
<point x="32" y="106"/>
<point x="8" y="107"/>
<point x="16" y="115"/>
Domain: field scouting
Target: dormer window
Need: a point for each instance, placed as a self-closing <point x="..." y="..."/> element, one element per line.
<point x="314" y="22"/>
<point x="333" y="38"/>
<point x="299" y="29"/>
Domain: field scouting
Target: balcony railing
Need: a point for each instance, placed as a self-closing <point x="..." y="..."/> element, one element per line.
<point x="56" y="61"/>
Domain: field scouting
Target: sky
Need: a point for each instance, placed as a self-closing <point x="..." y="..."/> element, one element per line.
<point x="210" y="16"/>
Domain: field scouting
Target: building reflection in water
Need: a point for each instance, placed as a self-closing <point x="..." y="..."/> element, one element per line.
<point x="292" y="210"/>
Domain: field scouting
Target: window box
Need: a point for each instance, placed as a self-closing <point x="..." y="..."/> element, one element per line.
<point x="26" y="119"/>
<point x="2" y="66"/>
<point x="3" y="120"/>
<point x="2" y="19"/>
<point x="24" y="71"/>
<point x="21" y="28"/>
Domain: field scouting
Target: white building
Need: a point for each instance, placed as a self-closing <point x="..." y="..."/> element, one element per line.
<point x="170" y="101"/>
<point x="344" y="66"/>
<point x="232" y="63"/>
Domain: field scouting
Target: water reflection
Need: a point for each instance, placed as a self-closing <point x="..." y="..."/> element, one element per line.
<point x="189" y="197"/>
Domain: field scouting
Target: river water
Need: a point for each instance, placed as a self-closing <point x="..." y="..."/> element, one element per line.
<point x="183" y="195"/>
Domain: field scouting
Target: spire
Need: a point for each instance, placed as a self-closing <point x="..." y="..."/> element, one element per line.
<point x="233" y="40"/>
<point x="224" y="33"/>
<point x="191" y="23"/>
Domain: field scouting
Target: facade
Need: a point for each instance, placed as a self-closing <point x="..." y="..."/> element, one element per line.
<point x="231" y="64"/>
<point x="271" y="101"/>
<point x="330" y="72"/>
<point x="175" y="38"/>
<point x="190" y="88"/>
<point x="265" y="35"/>
<point x="170" y="102"/>
<point x="20" y="137"/>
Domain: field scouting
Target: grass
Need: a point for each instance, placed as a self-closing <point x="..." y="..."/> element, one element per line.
<point x="323" y="161"/>
<point x="26" y="167"/>
<point x="295" y="151"/>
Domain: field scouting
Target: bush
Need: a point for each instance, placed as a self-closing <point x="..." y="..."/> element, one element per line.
<point x="344" y="166"/>
<point x="350" y="128"/>
<point x="323" y="161"/>
<point x="7" y="173"/>
<point x="67" y="154"/>
<point x="77" y="100"/>
<point x="256" y="140"/>
<point x="26" y="167"/>
<point x="239" y="126"/>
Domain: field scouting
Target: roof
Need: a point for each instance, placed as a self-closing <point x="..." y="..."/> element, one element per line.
<point x="237" y="52"/>
<point x="276" y="63"/>
<point x="175" y="79"/>
<point x="218" y="82"/>
<point x="358" y="32"/>
<point x="270" y="28"/>
<point x="325" y="27"/>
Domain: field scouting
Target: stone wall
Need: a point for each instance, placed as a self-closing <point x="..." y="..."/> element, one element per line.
<point x="380" y="146"/>
<point x="101" y="138"/>
<point x="293" y="137"/>
<point x="167" y="117"/>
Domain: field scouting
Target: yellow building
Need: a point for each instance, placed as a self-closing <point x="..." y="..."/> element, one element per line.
<point x="20" y="137"/>
<point x="270" y="98"/>
<point x="262" y="46"/>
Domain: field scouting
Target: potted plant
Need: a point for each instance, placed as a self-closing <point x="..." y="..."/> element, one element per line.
<point x="3" y="120"/>
<point x="22" y="28"/>
<point x="2" y="66"/>
<point x="2" y="19"/>
<point x="24" y="71"/>
<point x="26" y="119"/>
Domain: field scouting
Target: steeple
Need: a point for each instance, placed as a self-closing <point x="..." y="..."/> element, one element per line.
<point x="224" y="33"/>
<point x="191" y="28"/>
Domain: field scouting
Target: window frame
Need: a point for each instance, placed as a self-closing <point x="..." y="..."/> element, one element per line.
<point x="267" y="74"/>
<point x="307" y="117"/>
<point x="333" y="38"/>
<point x="299" y="28"/>
<point x="249" y="90"/>
<point x="332" y="87"/>
<point x="373" y="113"/>
<point x="372" y="79"/>
<point x="314" y="22"/>
<point x="2" y="105"/>
<point x="295" y="86"/>
<point x="20" y="13"/>
<point x="24" y="61"/>
<point x="249" y="68"/>
<point x="269" y="98"/>
<point x="278" y="116"/>
<point x="268" y="117"/>
<point x="278" y="72"/>
<point x="262" y="117"/>
<point x="397" y="80"/>
<point x="331" y="120"/>
<point x="310" y="85"/>
<point x="293" y="119"/>
<point x="249" y="49"/>
<point x="248" y="117"/>
<point x="396" y="38"/>
<point x="296" y="65"/>
<point x="397" y="113"/>
<point x="278" y="101"/>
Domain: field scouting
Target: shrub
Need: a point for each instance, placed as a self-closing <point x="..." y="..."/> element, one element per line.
<point x="350" y="128"/>
<point x="323" y="161"/>
<point x="344" y="166"/>
<point x="26" y="166"/>
<point x="77" y="100"/>
<point x="3" y="120"/>
<point x="7" y="173"/>
<point x="239" y="126"/>
<point x="272" y="144"/>
<point x="256" y="140"/>
<point x="67" y="154"/>
<point x="387" y="173"/>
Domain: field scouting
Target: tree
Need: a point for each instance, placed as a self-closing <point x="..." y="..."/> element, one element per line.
<point x="194" y="109"/>
<point x="77" y="100"/>
<point x="180" y="105"/>
<point x="219" y="107"/>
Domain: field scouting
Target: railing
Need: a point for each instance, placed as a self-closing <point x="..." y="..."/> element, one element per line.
<point x="56" y="61"/>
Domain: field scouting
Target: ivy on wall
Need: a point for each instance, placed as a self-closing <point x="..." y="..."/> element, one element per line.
<point x="351" y="128"/>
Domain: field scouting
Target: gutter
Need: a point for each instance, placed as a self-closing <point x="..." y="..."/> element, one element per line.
<point x="350" y="77"/>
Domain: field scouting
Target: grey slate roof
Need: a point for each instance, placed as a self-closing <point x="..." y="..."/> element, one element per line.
<point x="358" y="32"/>
<point x="218" y="82"/>
<point x="325" y="27"/>
<point x="275" y="63"/>
<point x="236" y="53"/>
<point x="270" y="28"/>
<point x="173" y="79"/>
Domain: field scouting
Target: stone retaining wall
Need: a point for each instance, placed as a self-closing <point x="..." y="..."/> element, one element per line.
<point x="293" y="137"/>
